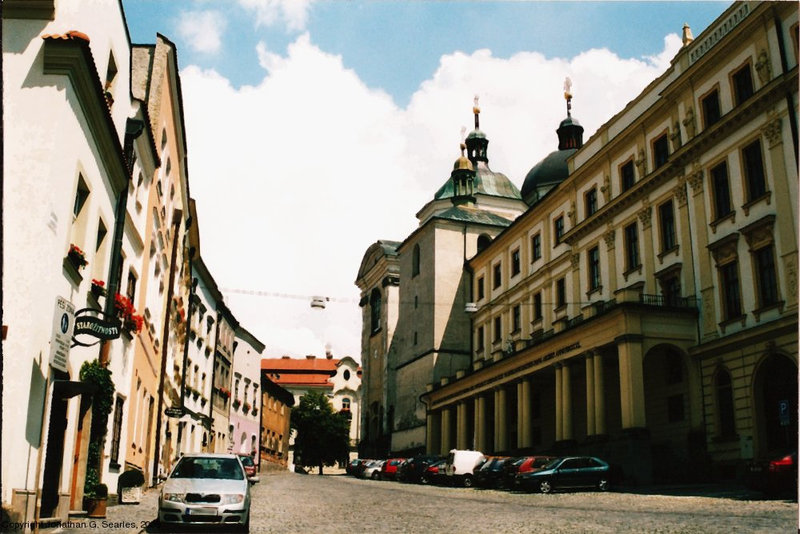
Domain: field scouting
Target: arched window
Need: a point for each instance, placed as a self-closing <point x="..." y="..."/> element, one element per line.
<point x="415" y="261"/>
<point x="346" y="404"/>
<point x="375" y="309"/>
<point x="483" y="241"/>
<point x="725" y="412"/>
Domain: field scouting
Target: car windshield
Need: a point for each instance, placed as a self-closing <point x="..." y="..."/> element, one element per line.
<point x="199" y="467"/>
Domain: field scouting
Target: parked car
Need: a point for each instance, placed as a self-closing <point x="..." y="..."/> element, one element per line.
<point x="372" y="470"/>
<point x="352" y="467"/>
<point x="413" y="468"/>
<point x="206" y="489"/>
<point x="568" y="472"/>
<point x="434" y="473"/>
<point x="461" y="465"/>
<point x="523" y="464"/>
<point x="490" y="474"/>
<point x="389" y="469"/>
<point x="776" y="475"/>
<point x="249" y="467"/>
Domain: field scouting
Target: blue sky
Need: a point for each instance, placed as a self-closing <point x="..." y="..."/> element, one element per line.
<point x="315" y="128"/>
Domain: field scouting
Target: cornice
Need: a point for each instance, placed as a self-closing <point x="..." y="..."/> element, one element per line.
<point x="72" y="57"/>
<point x="29" y="9"/>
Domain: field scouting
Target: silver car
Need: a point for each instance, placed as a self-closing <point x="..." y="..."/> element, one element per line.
<point x="204" y="490"/>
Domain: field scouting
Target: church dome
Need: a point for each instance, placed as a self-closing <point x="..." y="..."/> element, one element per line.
<point x="546" y="174"/>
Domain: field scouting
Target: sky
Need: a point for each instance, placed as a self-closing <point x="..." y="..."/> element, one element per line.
<point x="315" y="128"/>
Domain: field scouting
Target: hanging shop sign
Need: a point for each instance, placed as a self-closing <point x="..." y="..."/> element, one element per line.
<point x="63" y="325"/>
<point x="93" y="323"/>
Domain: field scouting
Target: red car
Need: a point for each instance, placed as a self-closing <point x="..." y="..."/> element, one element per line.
<point x="524" y="464"/>
<point x="389" y="469"/>
<point x="249" y="465"/>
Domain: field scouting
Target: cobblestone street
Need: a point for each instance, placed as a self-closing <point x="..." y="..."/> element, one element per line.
<point x="289" y="503"/>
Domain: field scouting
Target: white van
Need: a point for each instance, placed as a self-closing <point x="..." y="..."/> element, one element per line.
<point x="461" y="466"/>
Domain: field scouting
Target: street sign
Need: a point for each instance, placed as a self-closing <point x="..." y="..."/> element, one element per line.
<point x="94" y="327"/>
<point x="63" y="326"/>
<point x="783" y="413"/>
<point x="177" y="411"/>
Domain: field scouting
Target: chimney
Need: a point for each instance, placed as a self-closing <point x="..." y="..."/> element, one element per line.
<point x="285" y="358"/>
<point x="310" y="356"/>
<point x="328" y="351"/>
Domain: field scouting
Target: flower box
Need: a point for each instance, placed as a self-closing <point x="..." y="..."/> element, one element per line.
<point x="77" y="257"/>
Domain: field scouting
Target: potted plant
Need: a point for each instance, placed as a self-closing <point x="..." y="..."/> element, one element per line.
<point x="96" y="500"/>
<point x="236" y="403"/>
<point x="131" y="322"/>
<point x="98" y="288"/>
<point x="246" y="407"/>
<point x="77" y="257"/>
<point x="130" y="486"/>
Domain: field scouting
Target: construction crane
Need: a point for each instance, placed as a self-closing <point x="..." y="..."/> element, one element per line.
<point x="316" y="301"/>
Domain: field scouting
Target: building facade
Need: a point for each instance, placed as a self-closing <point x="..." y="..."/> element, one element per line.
<point x="644" y="307"/>
<point x="275" y="412"/>
<point x="246" y="394"/>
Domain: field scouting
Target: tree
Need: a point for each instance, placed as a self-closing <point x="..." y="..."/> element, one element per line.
<point x="323" y="435"/>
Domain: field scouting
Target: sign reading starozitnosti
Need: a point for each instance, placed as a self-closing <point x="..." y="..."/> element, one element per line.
<point x="93" y="326"/>
<point x="63" y="325"/>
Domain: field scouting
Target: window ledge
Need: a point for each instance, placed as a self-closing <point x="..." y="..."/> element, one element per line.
<point x="777" y="305"/>
<point x="637" y="269"/>
<point x="741" y="319"/>
<point x="667" y="252"/>
<point x="765" y="197"/>
<point x="598" y="290"/>
<point x="730" y="216"/>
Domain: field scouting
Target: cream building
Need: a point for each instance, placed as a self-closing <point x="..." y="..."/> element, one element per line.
<point x="644" y="308"/>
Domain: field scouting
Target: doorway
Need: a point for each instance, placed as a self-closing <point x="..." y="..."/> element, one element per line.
<point x="775" y="392"/>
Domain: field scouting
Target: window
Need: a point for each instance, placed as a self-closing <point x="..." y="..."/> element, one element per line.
<point x="497" y="278"/>
<point x="765" y="277"/>
<point x="726" y="422"/>
<point x="483" y="242"/>
<point x="515" y="262"/>
<point x="671" y="290"/>
<point x="711" y="112"/>
<point x="101" y="234"/>
<point x="416" y="302"/>
<point x="626" y="175"/>
<point x="675" y="410"/>
<point x="346" y="374"/>
<point x="415" y="261"/>
<point x="594" y="268"/>
<point x="561" y="292"/>
<point x="480" y="339"/>
<point x="591" y="201"/>
<point x="415" y="338"/>
<point x="81" y="194"/>
<point x="754" y="171"/>
<point x="729" y="279"/>
<point x="346" y="404"/>
<point x="631" y="247"/>
<point x="480" y="290"/>
<point x="536" y="247"/>
<point x="117" y="431"/>
<point x="130" y="289"/>
<point x="666" y="219"/>
<point x="558" y="229"/>
<point x="660" y="151"/>
<point x="516" y="316"/>
<point x="375" y="310"/>
<point x="498" y="329"/>
<point x="722" y="195"/>
<point x="537" y="306"/>
<point x="742" y="84"/>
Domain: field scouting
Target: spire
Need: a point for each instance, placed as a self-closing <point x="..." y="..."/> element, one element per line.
<point x="476" y="141"/>
<point x="570" y="132"/>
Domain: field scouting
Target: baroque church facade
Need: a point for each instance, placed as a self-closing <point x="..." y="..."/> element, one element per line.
<point x="636" y="300"/>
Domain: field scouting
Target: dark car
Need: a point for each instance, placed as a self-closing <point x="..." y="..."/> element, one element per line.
<point x="490" y="475"/>
<point x="434" y="473"/>
<point x="352" y="467"/>
<point x="569" y="472"/>
<point x="774" y="476"/>
<point x="523" y="464"/>
<point x="413" y="469"/>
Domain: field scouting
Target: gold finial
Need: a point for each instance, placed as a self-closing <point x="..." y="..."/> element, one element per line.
<point x="568" y="95"/>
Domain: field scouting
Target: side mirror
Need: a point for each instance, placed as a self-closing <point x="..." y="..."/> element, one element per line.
<point x="253" y="479"/>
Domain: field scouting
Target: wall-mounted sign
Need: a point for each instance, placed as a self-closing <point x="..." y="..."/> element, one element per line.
<point x="63" y="325"/>
<point x="94" y="326"/>
<point x="177" y="411"/>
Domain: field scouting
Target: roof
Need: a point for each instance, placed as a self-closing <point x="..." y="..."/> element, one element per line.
<point x="460" y="213"/>
<point x="309" y="371"/>
<point x="552" y="170"/>
<point x="487" y="182"/>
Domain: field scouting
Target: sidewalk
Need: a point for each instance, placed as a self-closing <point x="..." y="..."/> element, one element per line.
<point x="120" y="519"/>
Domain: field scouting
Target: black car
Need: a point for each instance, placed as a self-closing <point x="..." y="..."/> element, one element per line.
<point x="568" y="472"/>
<point x="434" y="473"/>
<point x="413" y="469"/>
<point x="775" y="476"/>
<point x="490" y="475"/>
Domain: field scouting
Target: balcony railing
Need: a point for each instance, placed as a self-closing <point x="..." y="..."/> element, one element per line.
<point x="668" y="301"/>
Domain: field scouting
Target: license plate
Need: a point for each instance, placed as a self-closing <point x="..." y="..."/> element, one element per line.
<point x="201" y="511"/>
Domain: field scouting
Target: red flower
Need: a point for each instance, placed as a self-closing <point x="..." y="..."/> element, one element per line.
<point x="98" y="283"/>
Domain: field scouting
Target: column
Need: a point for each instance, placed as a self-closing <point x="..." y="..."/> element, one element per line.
<point x="648" y="252"/>
<point x="590" y="421"/>
<point x="559" y="404"/>
<point x="524" y="408"/>
<point x="631" y="383"/>
<point x="500" y="423"/>
<point x="599" y="395"/>
<point x="462" y="439"/>
<point x="480" y="423"/>
<point x="446" y="422"/>
<point x="432" y="423"/>
<point x="566" y="404"/>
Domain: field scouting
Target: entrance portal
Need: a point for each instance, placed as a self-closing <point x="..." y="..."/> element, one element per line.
<point x="775" y="391"/>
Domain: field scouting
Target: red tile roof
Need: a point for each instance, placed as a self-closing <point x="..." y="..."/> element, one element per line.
<point x="309" y="371"/>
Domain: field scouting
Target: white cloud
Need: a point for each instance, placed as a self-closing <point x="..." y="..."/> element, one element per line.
<point x="202" y="30"/>
<point x="294" y="13"/>
<point x="295" y="177"/>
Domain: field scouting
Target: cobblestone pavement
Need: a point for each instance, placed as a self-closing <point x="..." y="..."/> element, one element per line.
<point x="291" y="503"/>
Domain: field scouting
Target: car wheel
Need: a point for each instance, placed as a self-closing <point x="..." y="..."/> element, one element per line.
<point x="603" y="484"/>
<point x="376" y="476"/>
<point x="545" y="486"/>
<point x="424" y="480"/>
<point x="467" y="481"/>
